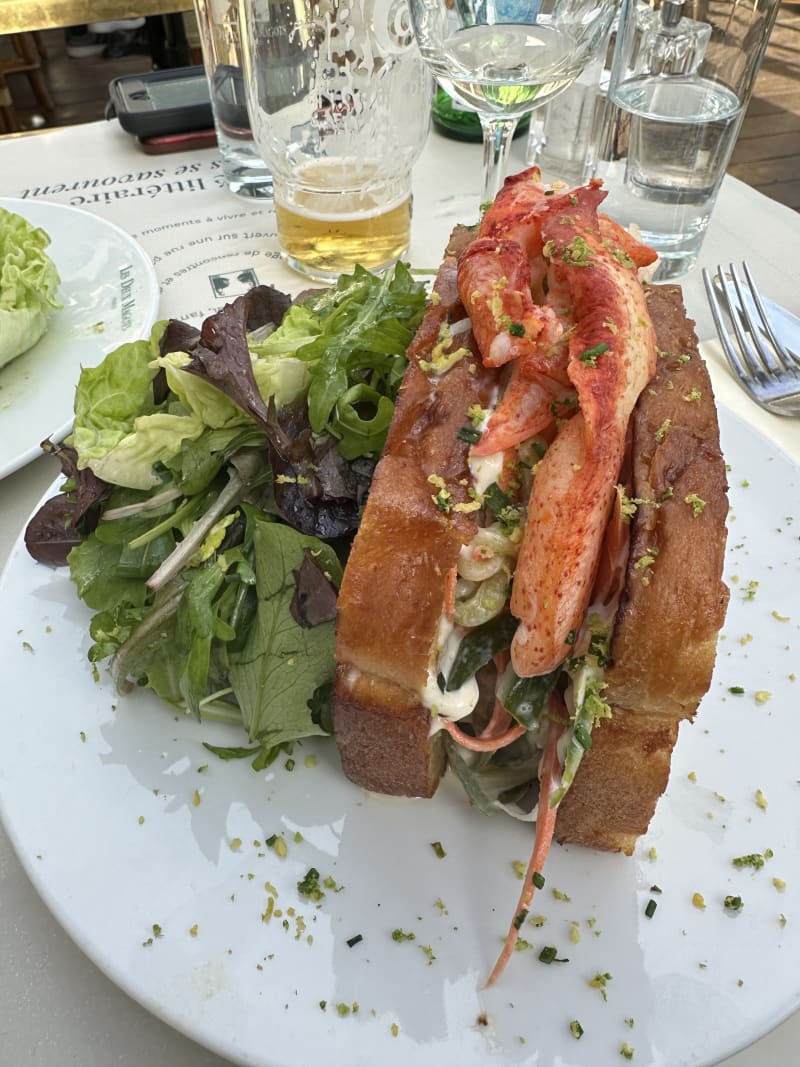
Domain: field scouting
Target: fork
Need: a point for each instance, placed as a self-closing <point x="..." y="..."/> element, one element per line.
<point x="764" y="368"/>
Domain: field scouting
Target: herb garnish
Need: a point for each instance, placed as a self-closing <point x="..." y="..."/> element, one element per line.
<point x="549" y="954"/>
<point x="469" y="434"/>
<point x="753" y="859"/>
<point x="590" y="355"/>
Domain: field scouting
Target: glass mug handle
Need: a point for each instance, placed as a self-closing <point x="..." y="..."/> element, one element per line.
<point x="392" y="31"/>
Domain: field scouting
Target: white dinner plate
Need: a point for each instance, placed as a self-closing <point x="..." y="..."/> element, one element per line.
<point x="109" y="292"/>
<point x="151" y="852"/>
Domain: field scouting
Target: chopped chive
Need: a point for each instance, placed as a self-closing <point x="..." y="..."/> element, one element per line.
<point x="538" y="879"/>
<point x="650" y="910"/>
<point x="548" y="955"/>
<point x="589" y="355"/>
<point x="469" y="434"/>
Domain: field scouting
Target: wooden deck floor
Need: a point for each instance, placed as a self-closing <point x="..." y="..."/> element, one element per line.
<point x="767" y="154"/>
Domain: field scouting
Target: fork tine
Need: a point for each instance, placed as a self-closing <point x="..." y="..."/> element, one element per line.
<point x="785" y="360"/>
<point x="731" y="353"/>
<point x="744" y="328"/>
<point x="769" y="363"/>
<point x="749" y="357"/>
<point x="772" y="389"/>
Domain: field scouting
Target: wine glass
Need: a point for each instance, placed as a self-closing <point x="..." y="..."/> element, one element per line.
<point x="503" y="58"/>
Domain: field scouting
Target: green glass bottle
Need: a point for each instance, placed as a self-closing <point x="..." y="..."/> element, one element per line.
<point x="454" y="120"/>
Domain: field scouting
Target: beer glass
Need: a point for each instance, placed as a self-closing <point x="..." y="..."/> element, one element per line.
<point x="339" y="101"/>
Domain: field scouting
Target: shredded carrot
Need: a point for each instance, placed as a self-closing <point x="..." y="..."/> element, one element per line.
<point x="500" y="719"/>
<point x="498" y="723"/>
<point x="450" y="594"/>
<point x="482" y="744"/>
<point x="545" y="828"/>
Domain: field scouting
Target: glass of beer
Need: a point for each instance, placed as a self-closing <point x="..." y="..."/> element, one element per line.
<point x="339" y="100"/>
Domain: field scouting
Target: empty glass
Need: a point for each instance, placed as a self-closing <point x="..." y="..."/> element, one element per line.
<point x="244" y="169"/>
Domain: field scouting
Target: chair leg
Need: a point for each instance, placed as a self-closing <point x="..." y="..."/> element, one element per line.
<point x="40" y="90"/>
<point x="38" y="40"/>
<point x="8" y="115"/>
<point x="30" y="63"/>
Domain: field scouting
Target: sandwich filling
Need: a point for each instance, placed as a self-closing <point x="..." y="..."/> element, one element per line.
<point x="553" y="295"/>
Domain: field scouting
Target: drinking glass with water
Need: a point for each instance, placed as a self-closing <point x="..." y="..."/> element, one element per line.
<point x="244" y="170"/>
<point x="680" y="84"/>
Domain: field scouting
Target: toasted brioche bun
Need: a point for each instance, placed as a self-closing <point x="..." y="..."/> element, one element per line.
<point x="393" y="592"/>
<point x="665" y="637"/>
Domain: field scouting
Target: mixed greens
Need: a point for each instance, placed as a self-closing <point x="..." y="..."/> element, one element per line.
<point x="215" y="478"/>
<point x="28" y="285"/>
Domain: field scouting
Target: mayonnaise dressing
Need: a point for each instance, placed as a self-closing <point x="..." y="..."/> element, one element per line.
<point x="485" y="470"/>
<point x="458" y="703"/>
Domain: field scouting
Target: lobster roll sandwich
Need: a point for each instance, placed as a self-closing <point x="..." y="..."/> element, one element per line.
<point x="534" y="593"/>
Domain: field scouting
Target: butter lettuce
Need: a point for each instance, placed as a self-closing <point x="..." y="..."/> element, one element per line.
<point x="28" y="285"/>
<point x="198" y="396"/>
<point x="113" y="402"/>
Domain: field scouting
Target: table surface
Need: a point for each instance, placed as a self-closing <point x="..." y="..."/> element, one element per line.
<point x="18" y="17"/>
<point x="58" y="1008"/>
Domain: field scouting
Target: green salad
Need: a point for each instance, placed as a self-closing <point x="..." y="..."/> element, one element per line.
<point x="28" y="285"/>
<point x="215" y="479"/>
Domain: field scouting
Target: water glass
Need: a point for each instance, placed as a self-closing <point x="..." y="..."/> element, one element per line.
<point x="681" y="80"/>
<point x="244" y="170"/>
<point x="340" y="102"/>
<point x="566" y="131"/>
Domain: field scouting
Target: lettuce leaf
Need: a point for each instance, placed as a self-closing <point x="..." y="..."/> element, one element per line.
<point x="108" y="401"/>
<point x="28" y="285"/>
<point x="352" y="340"/>
<point x="282" y="664"/>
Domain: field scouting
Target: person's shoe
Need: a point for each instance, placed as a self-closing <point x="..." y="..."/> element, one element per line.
<point x="127" y="43"/>
<point x="80" y="43"/>
<point x="112" y="27"/>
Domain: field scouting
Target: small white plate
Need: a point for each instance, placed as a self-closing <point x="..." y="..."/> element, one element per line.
<point x="109" y="291"/>
<point x="151" y="852"/>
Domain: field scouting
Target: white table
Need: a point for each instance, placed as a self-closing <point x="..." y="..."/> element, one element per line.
<point x="56" y="1008"/>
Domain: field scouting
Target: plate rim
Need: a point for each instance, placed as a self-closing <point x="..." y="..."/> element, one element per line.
<point x="152" y="293"/>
